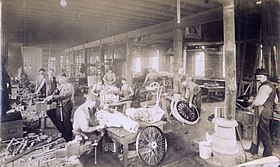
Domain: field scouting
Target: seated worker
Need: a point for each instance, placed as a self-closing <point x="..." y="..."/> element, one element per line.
<point x="41" y="83"/>
<point x="109" y="77"/>
<point x="85" y="123"/>
<point x="150" y="77"/>
<point x="65" y="96"/>
<point x="192" y="93"/>
<point x="126" y="92"/>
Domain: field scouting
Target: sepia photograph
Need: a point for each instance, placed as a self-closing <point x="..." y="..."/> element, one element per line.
<point x="138" y="83"/>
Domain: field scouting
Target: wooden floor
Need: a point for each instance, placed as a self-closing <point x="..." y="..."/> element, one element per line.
<point x="182" y="146"/>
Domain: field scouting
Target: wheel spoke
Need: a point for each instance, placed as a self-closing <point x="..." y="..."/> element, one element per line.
<point x="151" y="145"/>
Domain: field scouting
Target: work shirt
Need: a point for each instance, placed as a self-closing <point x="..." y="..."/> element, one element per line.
<point x="96" y="89"/>
<point x="41" y="84"/>
<point x="66" y="93"/>
<point x="263" y="95"/>
<point x="109" y="77"/>
<point x="191" y="88"/>
<point x="126" y="91"/>
<point x="151" y="77"/>
<point x="50" y="85"/>
<point x="84" y="121"/>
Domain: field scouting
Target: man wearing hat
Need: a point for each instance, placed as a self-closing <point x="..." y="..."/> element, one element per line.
<point x="263" y="104"/>
<point x="65" y="96"/>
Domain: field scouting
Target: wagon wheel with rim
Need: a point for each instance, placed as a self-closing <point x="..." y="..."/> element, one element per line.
<point x="149" y="96"/>
<point x="182" y="112"/>
<point x="151" y="145"/>
<point x="154" y="85"/>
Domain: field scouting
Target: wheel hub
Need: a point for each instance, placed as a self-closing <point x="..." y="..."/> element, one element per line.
<point x="153" y="145"/>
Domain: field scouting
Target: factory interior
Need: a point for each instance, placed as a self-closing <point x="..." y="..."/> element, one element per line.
<point x="112" y="83"/>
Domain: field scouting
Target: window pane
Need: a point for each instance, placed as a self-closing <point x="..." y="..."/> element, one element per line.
<point x="199" y="63"/>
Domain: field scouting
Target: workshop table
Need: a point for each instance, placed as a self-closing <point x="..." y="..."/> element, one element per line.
<point x="125" y="138"/>
<point x="213" y="91"/>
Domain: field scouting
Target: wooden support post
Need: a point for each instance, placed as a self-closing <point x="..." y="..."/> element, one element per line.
<point x="102" y="58"/>
<point x="128" y="63"/>
<point x="178" y="56"/>
<point x="230" y="60"/>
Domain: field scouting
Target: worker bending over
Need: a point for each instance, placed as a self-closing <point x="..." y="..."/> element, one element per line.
<point x="85" y="122"/>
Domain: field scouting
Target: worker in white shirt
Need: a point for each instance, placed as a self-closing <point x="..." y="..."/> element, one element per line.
<point x="85" y="122"/>
<point x="192" y="93"/>
<point x="126" y="92"/>
<point x="150" y="77"/>
<point x="263" y="107"/>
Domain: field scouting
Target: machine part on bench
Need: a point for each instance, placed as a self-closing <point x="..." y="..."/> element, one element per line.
<point x="182" y="112"/>
<point x="151" y="145"/>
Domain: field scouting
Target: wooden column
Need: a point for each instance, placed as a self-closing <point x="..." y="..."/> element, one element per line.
<point x="102" y="58"/>
<point x="185" y="60"/>
<point x="128" y="63"/>
<point x="178" y="56"/>
<point x="230" y="60"/>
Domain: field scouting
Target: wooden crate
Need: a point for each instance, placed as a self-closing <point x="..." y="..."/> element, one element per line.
<point x="11" y="128"/>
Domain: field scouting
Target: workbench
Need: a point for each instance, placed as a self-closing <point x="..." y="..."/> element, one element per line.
<point x="213" y="92"/>
<point x="125" y="138"/>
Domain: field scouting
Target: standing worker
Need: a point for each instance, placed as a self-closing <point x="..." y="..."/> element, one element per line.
<point x="41" y="83"/>
<point x="65" y="96"/>
<point x="150" y="77"/>
<point x="192" y="93"/>
<point x="263" y="108"/>
<point x="50" y="82"/>
<point x="109" y="77"/>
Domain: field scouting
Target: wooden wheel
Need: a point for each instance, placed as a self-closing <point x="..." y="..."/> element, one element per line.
<point x="153" y="86"/>
<point x="149" y="96"/>
<point x="151" y="145"/>
<point x="183" y="113"/>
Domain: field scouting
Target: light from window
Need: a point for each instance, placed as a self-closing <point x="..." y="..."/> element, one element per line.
<point x="154" y="61"/>
<point x="137" y="65"/>
<point x="199" y="63"/>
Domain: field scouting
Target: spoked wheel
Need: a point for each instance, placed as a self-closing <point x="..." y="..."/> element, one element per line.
<point x="149" y="96"/>
<point x="182" y="112"/>
<point x="151" y="145"/>
<point x="154" y="84"/>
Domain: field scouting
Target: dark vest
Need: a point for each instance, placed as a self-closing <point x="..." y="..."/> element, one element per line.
<point x="270" y="100"/>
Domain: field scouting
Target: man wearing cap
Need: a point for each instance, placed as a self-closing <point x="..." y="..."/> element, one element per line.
<point x="65" y="96"/>
<point x="262" y="104"/>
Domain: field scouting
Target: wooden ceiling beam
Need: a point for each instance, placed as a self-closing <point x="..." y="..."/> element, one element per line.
<point x="57" y="23"/>
<point x="191" y="9"/>
<point x="198" y="19"/>
<point x="135" y="7"/>
<point x="80" y="8"/>
<point x="88" y="21"/>
<point x="210" y="4"/>
<point x="46" y="12"/>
